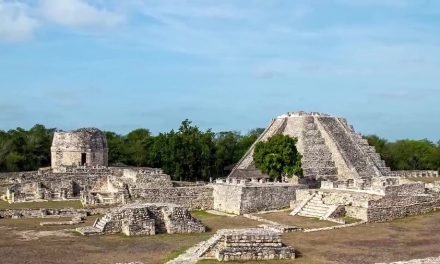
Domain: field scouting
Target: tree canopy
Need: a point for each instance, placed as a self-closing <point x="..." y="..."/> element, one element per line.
<point x="187" y="153"/>
<point x="190" y="153"/>
<point x="407" y="154"/>
<point x="278" y="157"/>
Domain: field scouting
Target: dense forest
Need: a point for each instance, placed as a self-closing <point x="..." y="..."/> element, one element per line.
<point x="188" y="153"/>
<point x="407" y="154"/>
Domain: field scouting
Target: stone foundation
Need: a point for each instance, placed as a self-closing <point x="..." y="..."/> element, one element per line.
<point x="144" y="220"/>
<point x="392" y="202"/>
<point x="193" y="198"/>
<point x="249" y="244"/>
<point x="251" y="198"/>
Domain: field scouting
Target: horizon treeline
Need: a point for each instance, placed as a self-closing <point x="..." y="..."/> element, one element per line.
<point x="189" y="153"/>
<point x="407" y="154"/>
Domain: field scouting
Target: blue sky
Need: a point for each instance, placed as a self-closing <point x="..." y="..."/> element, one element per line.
<point x="225" y="65"/>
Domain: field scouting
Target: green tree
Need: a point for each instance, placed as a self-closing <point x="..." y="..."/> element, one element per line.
<point x="137" y="144"/>
<point x="116" y="154"/>
<point x="278" y="157"/>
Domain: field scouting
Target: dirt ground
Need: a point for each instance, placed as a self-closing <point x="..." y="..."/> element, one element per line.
<point x="37" y="205"/>
<point x="299" y="221"/>
<point x="25" y="241"/>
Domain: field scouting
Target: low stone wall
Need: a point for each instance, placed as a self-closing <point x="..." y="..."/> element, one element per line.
<point x="406" y="189"/>
<point x="243" y="199"/>
<point x="193" y="198"/>
<point x="398" y="201"/>
<point x="415" y="173"/>
<point x="149" y="219"/>
<point x="265" y="198"/>
<point x="392" y="206"/>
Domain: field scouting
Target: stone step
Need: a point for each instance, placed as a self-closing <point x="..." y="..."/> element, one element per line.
<point x="312" y="133"/>
<point x="315" y="204"/>
<point x="314" y="212"/>
<point x="321" y="148"/>
<point x="316" y="200"/>
<point x="313" y="208"/>
<point x="320" y="171"/>
<point x="313" y="141"/>
<point x="317" y="163"/>
<point x="316" y="155"/>
<point x="309" y="126"/>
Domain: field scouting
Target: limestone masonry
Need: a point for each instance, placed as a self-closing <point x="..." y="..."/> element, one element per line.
<point x="330" y="148"/>
<point x="86" y="146"/>
<point x="249" y="244"/>
<point x="145" y="219"/>
<point x="343" y="176"/>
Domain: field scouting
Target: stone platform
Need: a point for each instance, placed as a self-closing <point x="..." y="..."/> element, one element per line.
<point x="249" y="244"/>
<point x="145" y="219"/>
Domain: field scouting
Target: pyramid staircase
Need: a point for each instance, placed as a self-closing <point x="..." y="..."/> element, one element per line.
<point x="96" y="229"/>
<point x="314" y="207"/>
<point x="102" y="222"/>
<point x="317" y="160"/>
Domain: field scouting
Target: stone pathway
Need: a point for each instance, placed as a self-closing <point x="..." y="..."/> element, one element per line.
<point x="333" y="227"/>
<point x="192" y="255"/>
<point x="272" y="225"/>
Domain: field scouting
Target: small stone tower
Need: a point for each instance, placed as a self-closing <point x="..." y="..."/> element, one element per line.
<point x="82" y="147"/>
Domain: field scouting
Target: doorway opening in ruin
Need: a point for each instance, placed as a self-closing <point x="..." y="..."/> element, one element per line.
<point x="83" y="159"/>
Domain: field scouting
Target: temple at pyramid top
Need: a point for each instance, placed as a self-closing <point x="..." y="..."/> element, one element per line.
<point x="330" y="148"/>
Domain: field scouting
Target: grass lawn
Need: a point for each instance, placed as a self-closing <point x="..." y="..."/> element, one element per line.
<point x="402" y="239"/>
<point x="3" y="190"/>
<point x="36" y="205"/>
<point x="101" y="249"/>
<point x="409" y="238"/>
<point x="304" y="222"/>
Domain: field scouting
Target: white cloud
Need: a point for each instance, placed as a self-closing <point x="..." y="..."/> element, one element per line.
<point x="79" y="13"/>
<point x="15" y="22"/>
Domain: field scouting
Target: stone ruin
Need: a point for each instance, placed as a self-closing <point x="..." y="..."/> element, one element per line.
<point x="330" y="148"/>
<point x="79" y="171"/>
<point x="145" y="220"/>
<point x="248" y="244"/>
<point x="93" y="185"/>
<point x="353" y="179"/>
<point x="82" y="147"/>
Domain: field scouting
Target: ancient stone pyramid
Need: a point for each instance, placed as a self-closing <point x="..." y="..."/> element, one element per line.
<point x="330" y="148"/>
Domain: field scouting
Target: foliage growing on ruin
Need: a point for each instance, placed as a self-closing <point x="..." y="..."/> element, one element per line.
<point x="278" y="157"/>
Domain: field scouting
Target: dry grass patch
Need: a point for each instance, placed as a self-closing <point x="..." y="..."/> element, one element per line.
<point x="49" y="246"/>
<point x="299" y="221"/>
<point x="37" y="205"/>
<point x="403" y="239"/>
<point x="409" y="238"/>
